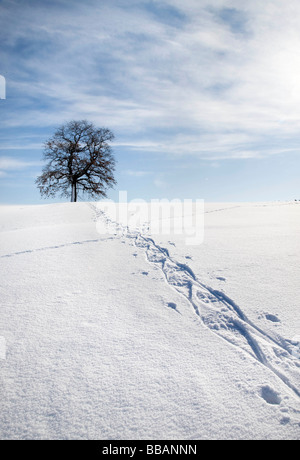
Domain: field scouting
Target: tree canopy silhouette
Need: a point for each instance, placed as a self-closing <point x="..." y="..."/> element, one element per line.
<point x="79" y="159"/>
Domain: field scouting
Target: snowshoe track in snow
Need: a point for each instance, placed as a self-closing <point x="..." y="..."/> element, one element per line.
<point x="216" y="310"/>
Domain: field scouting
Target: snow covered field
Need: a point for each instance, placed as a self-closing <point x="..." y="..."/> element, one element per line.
<point x="107" y="333"/>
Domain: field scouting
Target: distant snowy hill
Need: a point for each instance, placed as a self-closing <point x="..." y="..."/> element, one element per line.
<point x="111" y="332"/>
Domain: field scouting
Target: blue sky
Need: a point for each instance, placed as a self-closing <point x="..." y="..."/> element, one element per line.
<point x="203" y="96"/>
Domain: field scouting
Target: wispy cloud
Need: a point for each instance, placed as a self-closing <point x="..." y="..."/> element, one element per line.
<point x="136" y="173"/>
<point x="12" y="164"/>
<point x="213" y="79"/>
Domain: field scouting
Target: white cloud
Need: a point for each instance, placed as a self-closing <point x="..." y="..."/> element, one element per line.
<point x="197" y="88"/>
<point x="13" y="164"/>
<point x="136" y="173"/>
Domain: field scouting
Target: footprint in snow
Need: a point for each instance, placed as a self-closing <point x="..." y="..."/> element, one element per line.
<point x="221" y="278"/>
<point x="270" y="395"/>
<point x="272" y="318"/>
<point x="173" y="306"/>
<point x="285" y="420"/>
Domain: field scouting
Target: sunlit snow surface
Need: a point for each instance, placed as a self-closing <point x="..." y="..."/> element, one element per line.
<point x="115" y="330"/>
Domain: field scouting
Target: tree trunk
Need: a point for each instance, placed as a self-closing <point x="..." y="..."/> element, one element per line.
<point x="74" y="193"/>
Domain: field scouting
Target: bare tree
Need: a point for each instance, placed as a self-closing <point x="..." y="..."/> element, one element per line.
<point x="79" y="159"/>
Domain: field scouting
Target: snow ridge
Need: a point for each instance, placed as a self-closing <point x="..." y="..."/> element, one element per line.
<point x="216" y="310"/>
